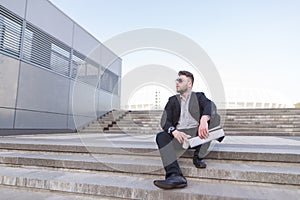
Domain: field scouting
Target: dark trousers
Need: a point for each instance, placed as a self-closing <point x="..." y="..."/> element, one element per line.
<point x="170" y="150"/>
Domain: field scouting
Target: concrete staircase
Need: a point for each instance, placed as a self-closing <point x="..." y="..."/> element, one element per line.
<point x="114" y="165"/>
<point x="260" y="122"/>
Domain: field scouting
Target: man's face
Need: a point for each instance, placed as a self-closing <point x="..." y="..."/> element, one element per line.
<point x="183" y="83"/>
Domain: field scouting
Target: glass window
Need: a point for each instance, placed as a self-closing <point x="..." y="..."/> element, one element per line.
<point x="86" y="69"/>
<point x="77" y="62"/>
<point x="109" y="82"/>
<point x="59" y="60"/>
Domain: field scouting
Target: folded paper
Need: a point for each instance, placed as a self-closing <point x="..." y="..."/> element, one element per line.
<point x="214" y="134"/>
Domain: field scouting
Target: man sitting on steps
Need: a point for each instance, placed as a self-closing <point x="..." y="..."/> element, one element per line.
<point x="186" y="114"/>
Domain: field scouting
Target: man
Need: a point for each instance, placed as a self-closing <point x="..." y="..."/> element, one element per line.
<point x="186" y="115"/>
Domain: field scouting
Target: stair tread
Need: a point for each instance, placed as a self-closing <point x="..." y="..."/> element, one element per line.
<point x="13" y="193"/>
<point x="138" y="186"/>
<point x="285" y="168"/>
<point x="259" y="144"/>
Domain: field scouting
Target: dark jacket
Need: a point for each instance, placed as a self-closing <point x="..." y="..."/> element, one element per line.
<point x="199" y="105"/>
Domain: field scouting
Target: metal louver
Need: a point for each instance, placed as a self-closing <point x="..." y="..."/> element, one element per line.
<point x="44" y="50"/>
<point x="19" y="38"/>
<point x="10" y="32"/>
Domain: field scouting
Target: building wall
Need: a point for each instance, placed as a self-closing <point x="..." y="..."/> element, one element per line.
<point x="53" y="73"/>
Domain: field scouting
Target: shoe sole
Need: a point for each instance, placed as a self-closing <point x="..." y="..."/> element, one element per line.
<point x="168" y="187"/>
<point x="201" y="167"/>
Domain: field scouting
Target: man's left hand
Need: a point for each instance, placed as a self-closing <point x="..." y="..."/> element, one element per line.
<point x="203" y="127"/>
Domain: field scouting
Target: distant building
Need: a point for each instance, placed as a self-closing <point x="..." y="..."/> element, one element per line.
<point x="235" y="99"/>
<point x="255" y="98"/>
<point x="54" y="75"/>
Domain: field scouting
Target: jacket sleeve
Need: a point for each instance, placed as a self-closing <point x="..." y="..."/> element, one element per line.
<point x="206" y="105"/>
<point x="167" y="116"/>
<point x="209" y="108"/>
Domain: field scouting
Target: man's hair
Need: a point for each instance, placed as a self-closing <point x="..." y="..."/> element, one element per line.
<point x="187" y="74"/>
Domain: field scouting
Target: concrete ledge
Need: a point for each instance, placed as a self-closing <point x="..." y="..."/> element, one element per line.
<point x="23" y="193"/>
<point x="278" y="149"/>
<point x="138" y="186"/>
<point x="267" y="172"/>
<point x="10" y="132"/>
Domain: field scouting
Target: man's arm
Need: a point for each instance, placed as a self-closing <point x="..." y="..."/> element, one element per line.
<point x="208" y="112"/>
<point x="203" y="126"/>
<point x="167" y="122"/>
<point x="166" y="119"/>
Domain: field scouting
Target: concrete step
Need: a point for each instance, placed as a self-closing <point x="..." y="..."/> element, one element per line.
<point x="251" y="148"/>
<point x="233" y="128"/>
<point x="137" y="186"/>
<point x="145" y="132"/>
<point x="276" y="122"/>
<point x="261" y="133"/>
<point x="228" y="132"/>
<point x="235" y="111"/>
<point x="262" y="172"/>
<point x="227" y="120"/>
<point x="29" y="193"/>
<point x="139" y="120"/>
<point x="262" y="129"/>
<point x="137" y="128"/>
<point x="262" y="124"/>
<point x="261" y="120"/>
<point x="276" y="110"/>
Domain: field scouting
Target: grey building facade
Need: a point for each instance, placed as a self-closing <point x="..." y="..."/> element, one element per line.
<point x="54" y="75"/>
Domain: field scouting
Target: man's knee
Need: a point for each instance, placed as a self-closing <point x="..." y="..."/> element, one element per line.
<point x="162" y="139"/>
<point x="160" y="136"/>
<point x="203" y="151"/>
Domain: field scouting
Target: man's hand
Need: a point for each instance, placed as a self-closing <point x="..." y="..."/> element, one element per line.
<point x="180" y="136"/>
<point x="203" y="127"/>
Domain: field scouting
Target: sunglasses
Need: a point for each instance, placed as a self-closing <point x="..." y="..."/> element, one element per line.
<point x="179" y="80"/>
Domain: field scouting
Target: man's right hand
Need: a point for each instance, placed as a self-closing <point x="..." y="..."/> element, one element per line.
<point x="180" y="136"/>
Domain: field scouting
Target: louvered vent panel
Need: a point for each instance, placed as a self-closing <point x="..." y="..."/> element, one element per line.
<point x="10" y="32"/>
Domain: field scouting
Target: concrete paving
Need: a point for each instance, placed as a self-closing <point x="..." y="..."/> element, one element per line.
<point x="125" y="165"/>
<point x="22" y="193"/>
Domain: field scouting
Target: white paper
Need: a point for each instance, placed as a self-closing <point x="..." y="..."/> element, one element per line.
<point x="214" y="134"/>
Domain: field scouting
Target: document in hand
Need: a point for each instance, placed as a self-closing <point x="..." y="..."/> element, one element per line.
<point x="214" y="134"/>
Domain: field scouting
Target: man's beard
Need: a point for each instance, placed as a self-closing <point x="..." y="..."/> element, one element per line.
<point x="182" y="91"/>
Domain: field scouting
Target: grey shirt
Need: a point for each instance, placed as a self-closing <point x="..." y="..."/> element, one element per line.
<point x="186" y="121"/>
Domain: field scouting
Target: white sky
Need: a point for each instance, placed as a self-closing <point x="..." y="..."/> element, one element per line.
<point x="253" y="43"/>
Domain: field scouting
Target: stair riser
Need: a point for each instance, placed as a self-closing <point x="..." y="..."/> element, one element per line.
<point x="222" y="155"/>
<point x="80" y="188"/>
<point x="102" y="190"/>
<point x="228" y="132"/>
<point x="229" y="175"/>
<point x="267" y="129"/>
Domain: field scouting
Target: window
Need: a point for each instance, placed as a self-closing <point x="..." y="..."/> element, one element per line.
<point x="85" y="69"/>
<point x="77" y="62"/>
<point x="10" y="32"/>
<point x="109" y="82"/>
<point x="59" y="60"/>
<point x="46" y="51"/>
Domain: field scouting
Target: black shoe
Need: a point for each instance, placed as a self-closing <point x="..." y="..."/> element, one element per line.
<point x="173" y="181"/>
<point x="220" y="139"/>
<point x="199" y="163"/>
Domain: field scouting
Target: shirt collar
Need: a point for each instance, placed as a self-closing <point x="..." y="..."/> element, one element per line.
<point x="187" y="97"/>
